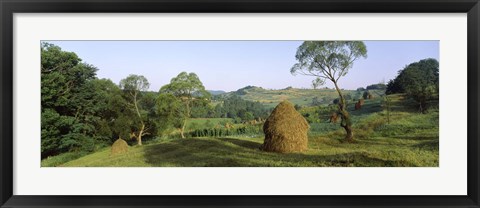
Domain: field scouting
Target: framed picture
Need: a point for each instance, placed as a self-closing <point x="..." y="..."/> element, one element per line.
<point x="247" y="104"/>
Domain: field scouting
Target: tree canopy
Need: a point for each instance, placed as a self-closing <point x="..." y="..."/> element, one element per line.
<point x="187" y="87"/>
<point x="81" y="113"/>
<point x="420" y="80"/>
<point x="69" y="113"/>
<point x="327" y="60"/>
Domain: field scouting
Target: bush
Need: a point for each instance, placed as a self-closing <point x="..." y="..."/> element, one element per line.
<point x="244" y="130"/>
<point x="379" y="86"/>
<point x="366" y="95"/>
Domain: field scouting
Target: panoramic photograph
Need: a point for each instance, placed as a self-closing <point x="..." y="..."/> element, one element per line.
<point x="313" y="103"/>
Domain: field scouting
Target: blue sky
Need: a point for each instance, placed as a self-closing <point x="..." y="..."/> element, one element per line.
<point x="230" y="65"/>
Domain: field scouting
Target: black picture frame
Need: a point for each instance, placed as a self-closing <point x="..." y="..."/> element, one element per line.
<point x="9" y="7"/>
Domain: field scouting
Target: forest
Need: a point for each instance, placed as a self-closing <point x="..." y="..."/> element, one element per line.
<point x="184" y="124"/>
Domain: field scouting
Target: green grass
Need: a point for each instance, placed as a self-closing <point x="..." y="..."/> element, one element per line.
<point x="409" y="139"/>
<point x="62" y="158"/>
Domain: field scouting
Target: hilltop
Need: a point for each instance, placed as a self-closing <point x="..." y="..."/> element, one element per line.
<point x="216" y="92"/>
<point x="302" y="97"/>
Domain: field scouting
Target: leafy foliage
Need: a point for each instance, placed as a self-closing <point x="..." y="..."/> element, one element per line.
<point x="188" y="88"/>
<point x="66" y="92"/>
<point x="420" y="80"/>
<point x="379" y="86"/>
<point x="80" y="113"/>
<point x="170" y="111"/>
<point x="327" y="60"/>
<point x="236" y="107"/>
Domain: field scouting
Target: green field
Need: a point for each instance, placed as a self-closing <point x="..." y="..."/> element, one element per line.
<point x="409" y="138"/>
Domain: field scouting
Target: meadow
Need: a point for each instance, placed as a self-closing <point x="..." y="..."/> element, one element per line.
<point x="403" y="138"/>
<point x="88" y="121"/>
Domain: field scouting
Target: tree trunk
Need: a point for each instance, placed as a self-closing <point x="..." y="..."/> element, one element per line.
<point x="348" y="129"/>
<point x="183" y="128"/>
<point x="139" y="137"/>
<point x="346" y="123"/>
<point x="423" y="106"/>
<point x="187" y="116"/>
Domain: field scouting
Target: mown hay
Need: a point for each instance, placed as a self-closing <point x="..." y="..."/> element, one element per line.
<point x="285" y="130"/>
<point x="120" y="146"/>
<point x="358" y="105"/>
<point x="334" y="117"/>
<point x="361" y="101"/>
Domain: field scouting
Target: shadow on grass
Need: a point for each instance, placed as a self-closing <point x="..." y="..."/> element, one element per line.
<point x="229" y="152"/>
<point x="417" y="138"/>
<point x="242" y="143"/>
<point x="428" y="145"/>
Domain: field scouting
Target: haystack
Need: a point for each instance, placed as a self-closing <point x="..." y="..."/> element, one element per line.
<point x="334" y="117"/>
<point x="120" y="146"/>
<point x="358" y="105"/>
<point x="361" y="101"/>
<point x="285" y="130"/>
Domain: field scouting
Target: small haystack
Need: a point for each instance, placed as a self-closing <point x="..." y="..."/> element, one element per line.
<point x="334" y="117"/>
<point x="358" y="105"/>
<point x="361" y="101"/>
<point x="119" y="147"/>
<point x="285" y="130"/>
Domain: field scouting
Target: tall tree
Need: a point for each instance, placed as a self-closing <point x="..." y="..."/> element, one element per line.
<point x="133" y="85"/>
<point x="109" y="105"/>
<point x="420" y="80"/>
<point x="170" y="111"/>
<point x="187" y="87"/>
<point x="330" y="60"/>
<point x="66" y="119"/>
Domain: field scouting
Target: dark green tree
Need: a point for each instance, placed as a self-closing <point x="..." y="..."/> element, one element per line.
<point x="420" y="80"/>
<point x="65" y="125"/>
<point x="170" y="111"/>
<point x="108" y="105"/>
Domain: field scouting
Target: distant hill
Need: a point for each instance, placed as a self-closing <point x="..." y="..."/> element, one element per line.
<point x="216" y="92"/>
<point x="302" y="97"/>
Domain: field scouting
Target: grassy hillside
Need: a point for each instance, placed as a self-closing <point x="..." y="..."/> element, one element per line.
<point x="409" y="139"/>
<point x="303" y="97"/>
